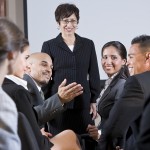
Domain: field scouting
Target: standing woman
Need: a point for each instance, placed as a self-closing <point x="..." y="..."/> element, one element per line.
<point x="74" y="58"/>
<point x="10" y="39"/>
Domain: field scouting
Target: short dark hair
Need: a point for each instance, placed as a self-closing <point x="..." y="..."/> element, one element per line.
<point x="119" y="46"/>
<point x="66" y="10"/>
<point x="143" y="41"/>
<point x="10" y="38"/>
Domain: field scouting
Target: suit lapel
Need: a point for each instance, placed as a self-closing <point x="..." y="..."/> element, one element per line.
<point x="108" y="90"/>
<point x="78" y="43"/>
<point x="63" y="45"/>
<point x="32" y="88"/>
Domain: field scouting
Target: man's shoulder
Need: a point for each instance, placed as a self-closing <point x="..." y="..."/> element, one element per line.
<point x="32" y="87"/>
<point x="139" y="81"/>
<point x="143" y="75"/>
<point x="142" y="78"/>
<point x="27" y="78"/>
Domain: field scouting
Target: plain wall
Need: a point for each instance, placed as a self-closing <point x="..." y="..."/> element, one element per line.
<point x="100" y="20"/>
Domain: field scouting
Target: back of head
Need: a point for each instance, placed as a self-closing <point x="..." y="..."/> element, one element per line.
<point x="10" y="37"/>
<point x="143" y="41"/>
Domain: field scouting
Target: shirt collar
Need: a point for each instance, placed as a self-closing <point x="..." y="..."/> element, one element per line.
<point x="114" y="75"/>
<point x="108" y="81"/>
<point x="17" y="80"/>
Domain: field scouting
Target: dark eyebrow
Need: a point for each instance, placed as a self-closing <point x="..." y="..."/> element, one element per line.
<point x="44" y="61"/>
<point x="130" y="54"/>
<point x="109" y="55"/>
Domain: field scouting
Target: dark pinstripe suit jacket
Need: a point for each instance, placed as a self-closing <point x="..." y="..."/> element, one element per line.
<point x="79" y="65"/>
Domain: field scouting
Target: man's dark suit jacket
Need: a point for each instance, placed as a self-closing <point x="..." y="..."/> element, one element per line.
<point x="111" y="95"/>
<point x="22" y="100"/>
<point x="45" y="110"/>
<point x="76" y="66"/>
<point x="127" y="110"/>
<point x="143" y="140"/>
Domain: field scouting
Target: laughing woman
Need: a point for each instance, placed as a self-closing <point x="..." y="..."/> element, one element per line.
<point x="114" y="58"/>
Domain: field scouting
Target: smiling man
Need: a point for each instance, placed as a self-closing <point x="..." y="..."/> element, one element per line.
<point x="127" y="110"/>
<point x="38" y="74"/>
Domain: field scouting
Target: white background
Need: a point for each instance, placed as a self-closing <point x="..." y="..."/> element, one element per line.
<point x="100" y="20"/>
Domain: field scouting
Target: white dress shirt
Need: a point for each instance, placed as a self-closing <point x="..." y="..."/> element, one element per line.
<point x="17" y="80"/>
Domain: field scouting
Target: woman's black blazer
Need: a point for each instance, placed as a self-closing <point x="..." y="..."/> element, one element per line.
<point x="80" y="66"/>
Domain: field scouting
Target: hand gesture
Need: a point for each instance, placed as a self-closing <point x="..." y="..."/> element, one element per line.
<point x="69" y="92"/>
<point x="93" y="132"/>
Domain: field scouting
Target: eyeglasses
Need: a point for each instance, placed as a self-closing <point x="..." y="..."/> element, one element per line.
<point x="74" y="22"/>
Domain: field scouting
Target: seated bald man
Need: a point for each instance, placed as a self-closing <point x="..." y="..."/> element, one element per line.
<point x="38" y="74"/>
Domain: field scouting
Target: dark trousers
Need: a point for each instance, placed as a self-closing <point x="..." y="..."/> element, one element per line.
<point x="76" y="120"/>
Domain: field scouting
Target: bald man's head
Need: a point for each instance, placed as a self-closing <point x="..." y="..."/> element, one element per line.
<point x="38" y="56"/>
<point x="39" y="67"/>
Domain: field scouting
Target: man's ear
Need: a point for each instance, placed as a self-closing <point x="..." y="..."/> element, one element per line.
<point x="147" y="60"/>
<point x="147" y="56"/>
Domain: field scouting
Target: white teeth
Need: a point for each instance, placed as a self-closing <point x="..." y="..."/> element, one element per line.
<point x="108" y="66"/>
<point x="68" y="29"/>
<point x="130" y="68"/>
